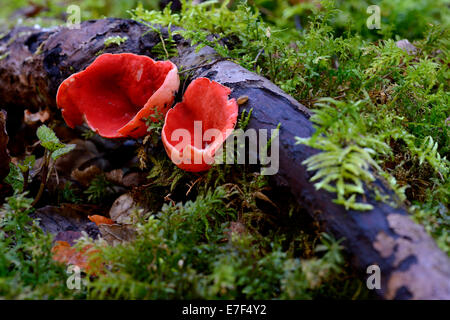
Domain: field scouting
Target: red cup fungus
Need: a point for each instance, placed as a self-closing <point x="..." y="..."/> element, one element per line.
<point x="202" y="121"/>
<point x="116" y="92"/>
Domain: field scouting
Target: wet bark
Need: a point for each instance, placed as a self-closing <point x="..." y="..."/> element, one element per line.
<point x="36" y="61"/>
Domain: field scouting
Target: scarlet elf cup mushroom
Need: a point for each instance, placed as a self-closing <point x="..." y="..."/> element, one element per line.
<point x="196" y="128"/>
<point x="117" y="92"/>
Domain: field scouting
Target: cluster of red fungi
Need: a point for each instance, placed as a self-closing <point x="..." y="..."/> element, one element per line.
<point x="117" y="92"/>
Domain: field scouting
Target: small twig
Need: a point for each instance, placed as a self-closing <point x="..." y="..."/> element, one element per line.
<point x="167" y="198"/>
<point x="163" y="45"/>
<point x="257" y="57"/>
<point x="26" y="175"/>
<point x="56" y="175"/>
<point x="43" y="179"/>
<point x="193" y="184"/>
<point x="205" y="65"/>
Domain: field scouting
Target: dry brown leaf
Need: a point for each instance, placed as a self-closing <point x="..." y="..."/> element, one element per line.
<point x="116" y="233"/>
<point x="98" y="220"/>
<point x="115" y="176"/>
<point x="131" y="179"/>
<point x="134" y="179"/>
<point x="86" y="176"/>
<point x="32" y="118"/>
<point x="85" y="258"/>
<point x="84" y="151"/>
<point x="123" y="209"/>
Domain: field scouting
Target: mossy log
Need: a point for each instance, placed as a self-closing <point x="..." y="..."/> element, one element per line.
<point x="35" y="61"/>
<point x="4" y="155"/>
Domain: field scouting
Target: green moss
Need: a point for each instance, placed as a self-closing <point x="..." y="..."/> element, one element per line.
<point x="27" y="270"/>
<point x="118" y="40"/>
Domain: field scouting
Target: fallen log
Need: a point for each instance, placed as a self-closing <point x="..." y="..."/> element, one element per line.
<point x="36" y="61"/>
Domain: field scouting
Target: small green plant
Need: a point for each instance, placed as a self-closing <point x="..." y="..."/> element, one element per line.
<point x="166" y="48"/>
<point x="154" y="124"/>
<point x="54" y="149"/>
<point x="53" y="146"/>
<point x="346" y="162"/>
<point x="117" y="40"/>
<point x="165" y="173"/>
<point x="69" y="194"/>
<point x="99" y="189"/>
<point x="19" y="177"/>
<point x="88" y="134"/>
<point x="245" y="118"/>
